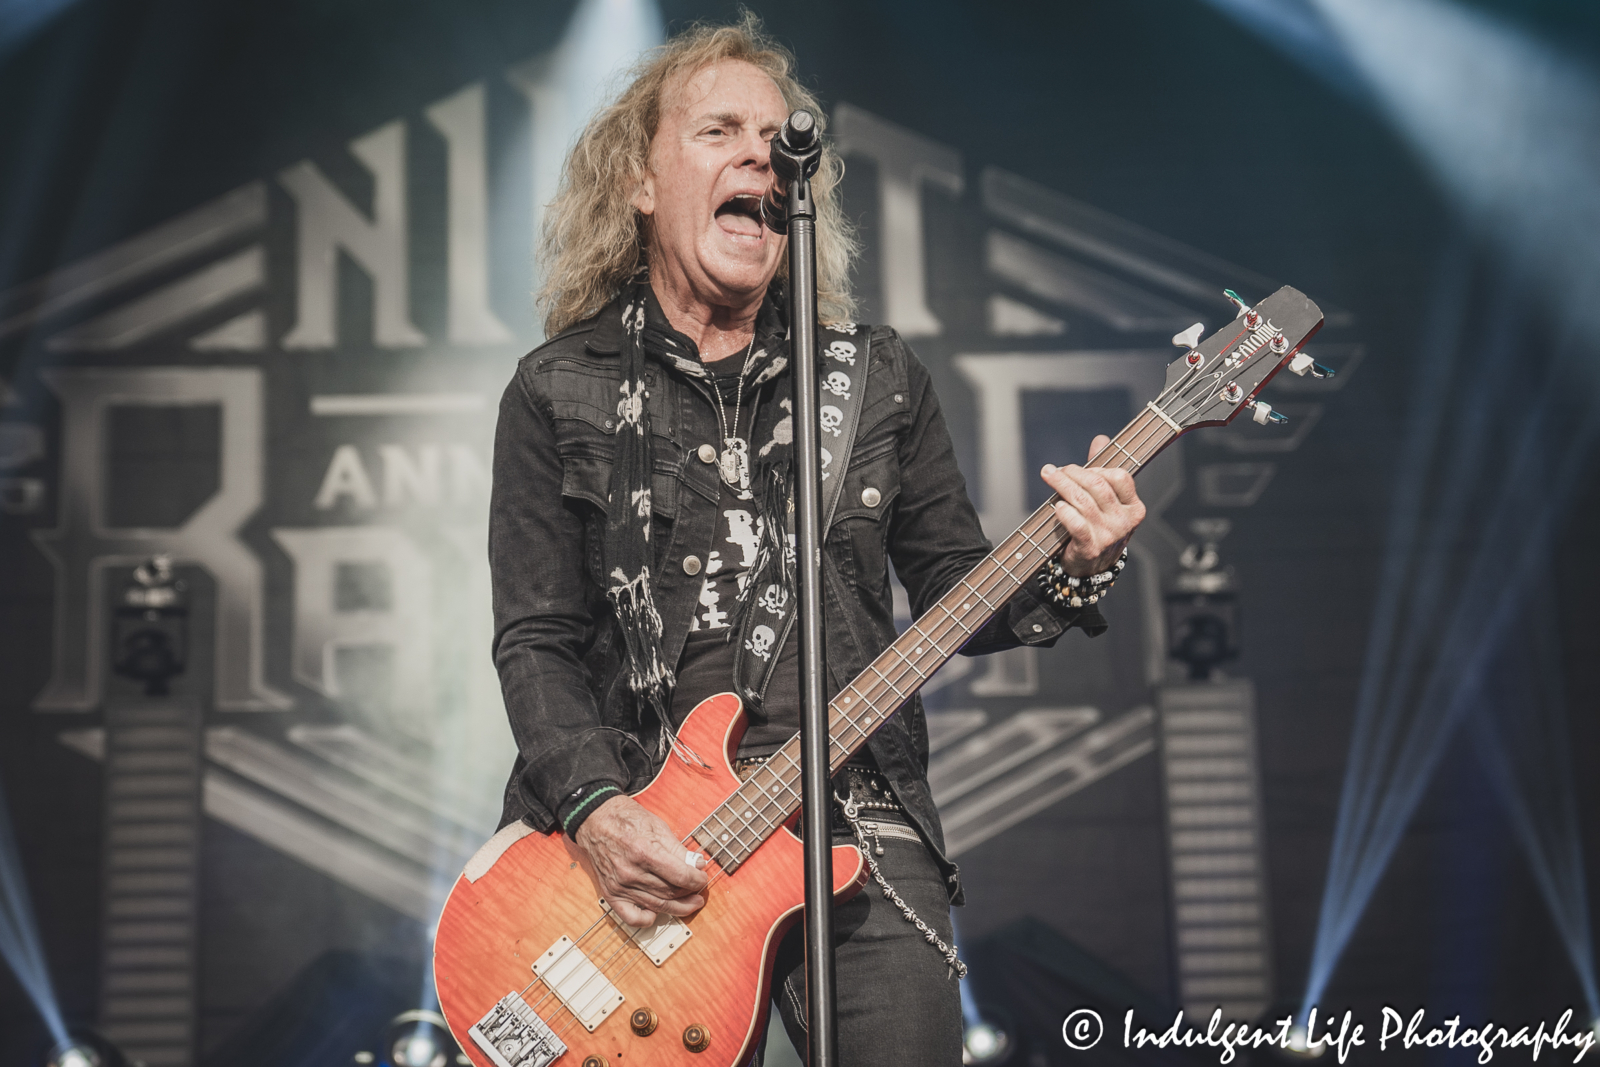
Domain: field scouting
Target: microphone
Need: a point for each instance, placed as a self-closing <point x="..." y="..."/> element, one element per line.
<point x="797" y="139"/>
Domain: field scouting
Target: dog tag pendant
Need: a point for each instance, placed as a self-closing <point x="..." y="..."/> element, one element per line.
<point x="734" y="463"/>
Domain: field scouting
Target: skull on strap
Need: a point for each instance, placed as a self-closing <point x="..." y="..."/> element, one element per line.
<point x="831" y="418"/>
<point x="761" y="639"/>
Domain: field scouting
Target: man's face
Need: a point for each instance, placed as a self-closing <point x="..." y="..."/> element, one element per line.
<point x="708" y="170"/>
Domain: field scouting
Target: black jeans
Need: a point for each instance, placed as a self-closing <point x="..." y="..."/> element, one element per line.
<point x="898" y="1003"/>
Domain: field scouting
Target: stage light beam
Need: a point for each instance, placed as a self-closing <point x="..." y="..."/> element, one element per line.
<point x="19" y="937"/>
<point x="470" y="742"/>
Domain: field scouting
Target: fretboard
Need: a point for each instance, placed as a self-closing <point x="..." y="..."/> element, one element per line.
<point x="772" y="794"/>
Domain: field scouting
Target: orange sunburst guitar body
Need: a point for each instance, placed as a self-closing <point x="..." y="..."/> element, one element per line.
<point x="541" y="888"/>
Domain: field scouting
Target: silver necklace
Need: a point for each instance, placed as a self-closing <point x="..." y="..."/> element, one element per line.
<point x="733" y="463"/>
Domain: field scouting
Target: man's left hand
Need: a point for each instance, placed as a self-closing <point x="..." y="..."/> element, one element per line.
<point x="1098" y="508"/>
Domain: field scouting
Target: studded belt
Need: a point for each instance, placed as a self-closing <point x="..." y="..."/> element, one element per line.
<point x="869" y="789"/>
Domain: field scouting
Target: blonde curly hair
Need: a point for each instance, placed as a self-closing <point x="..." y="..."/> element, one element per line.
<point x="594" y="238"/>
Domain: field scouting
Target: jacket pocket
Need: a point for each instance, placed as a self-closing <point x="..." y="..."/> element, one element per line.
<point x="587" y="477"/>
<point x="859" y="535"/>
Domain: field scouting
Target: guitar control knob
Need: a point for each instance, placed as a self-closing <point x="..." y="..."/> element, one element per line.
<point x="643" y="1021"/>
<point x="593" y="1061"/>
<point x="696" y="1038"/>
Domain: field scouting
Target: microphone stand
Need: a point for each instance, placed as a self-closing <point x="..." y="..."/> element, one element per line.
<point x="796" y="153"/>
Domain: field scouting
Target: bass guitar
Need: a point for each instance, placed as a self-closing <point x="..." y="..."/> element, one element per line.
<point x="531" y="966"/>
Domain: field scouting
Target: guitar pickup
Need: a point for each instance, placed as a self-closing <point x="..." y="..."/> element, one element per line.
<point x="660" y="939"/>
<point x="585" y="990"/>
<point x="513" y="1035"/>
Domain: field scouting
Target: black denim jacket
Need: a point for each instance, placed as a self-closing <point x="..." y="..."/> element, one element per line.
<point x="556" y="641"/>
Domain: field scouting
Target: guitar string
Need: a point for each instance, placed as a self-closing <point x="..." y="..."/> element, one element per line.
<point x="893" y="680"/>
<point x="739" y="850"/>
<point x="731" y="839"/>
<point x="940" y="632"/>
<point x="772" y="787"/>
<point x="1139" y="438"/>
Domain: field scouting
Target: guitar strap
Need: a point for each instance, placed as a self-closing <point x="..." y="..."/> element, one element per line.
<point x="844" y="357"/>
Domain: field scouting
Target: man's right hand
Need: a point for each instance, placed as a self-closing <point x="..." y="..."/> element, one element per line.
<point x="642" y="867"/>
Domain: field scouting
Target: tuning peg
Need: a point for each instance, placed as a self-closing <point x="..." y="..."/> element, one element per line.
<point x="1262" y="412"/>
<point x="1238" y="301"/>
<point x="1302" y="363"/>
<point x="1189" y="338"/>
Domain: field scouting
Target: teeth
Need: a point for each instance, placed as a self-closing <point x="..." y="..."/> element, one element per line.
<point x="743" y="203"/>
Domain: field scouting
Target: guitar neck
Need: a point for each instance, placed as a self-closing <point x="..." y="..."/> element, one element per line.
<point x="732" y="832"/>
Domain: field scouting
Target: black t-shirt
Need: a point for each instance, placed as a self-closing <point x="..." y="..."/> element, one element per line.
<point x="706" y="666"/>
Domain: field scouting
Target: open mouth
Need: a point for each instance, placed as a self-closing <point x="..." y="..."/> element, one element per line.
<point x="740" y="214"/>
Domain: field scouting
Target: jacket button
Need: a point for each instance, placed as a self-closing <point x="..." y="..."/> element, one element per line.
<point x="870" y="497"/>
<point x="707" y="454"/>
<point x="691" y="565"/>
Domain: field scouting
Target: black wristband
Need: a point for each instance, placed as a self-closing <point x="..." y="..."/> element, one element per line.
<point x="583" y="803"/>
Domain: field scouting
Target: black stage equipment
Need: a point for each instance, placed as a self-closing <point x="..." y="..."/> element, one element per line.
<point x="796" y="153"/>
<point x="1202" y="609"/>
<point x="150" y="642"/>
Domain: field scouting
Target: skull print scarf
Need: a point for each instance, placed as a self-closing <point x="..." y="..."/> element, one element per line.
<point x="628" y="554"/>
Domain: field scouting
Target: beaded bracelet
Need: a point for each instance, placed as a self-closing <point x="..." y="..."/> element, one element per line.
<point x="1071" y="592"/>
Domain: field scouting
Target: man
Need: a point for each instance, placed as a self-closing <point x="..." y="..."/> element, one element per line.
<point x="641" y="504"/>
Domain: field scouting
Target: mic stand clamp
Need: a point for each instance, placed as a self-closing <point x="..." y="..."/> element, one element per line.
<point x="796" y="152"/>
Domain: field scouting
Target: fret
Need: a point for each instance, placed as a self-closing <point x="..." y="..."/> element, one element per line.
<point x="1045" y="552"/>
<point x="852" y="724"/>
<point x="954" y="618"/>
<point x="787" y="788"/>
<point x="923" y="641"/>
<point x="928" y="643"/>
<point x="967" y="581"/>
<point x="873" y="667"/>
<point x="1158" y="439"/>
<point x="722" y="839"/>
<point x="768" y="824"/>
<point x="1001" y="563"/>
<point x="1134" y="459"/>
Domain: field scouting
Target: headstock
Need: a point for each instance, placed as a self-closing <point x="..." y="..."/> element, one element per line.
<point x="1220" y="376"/>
